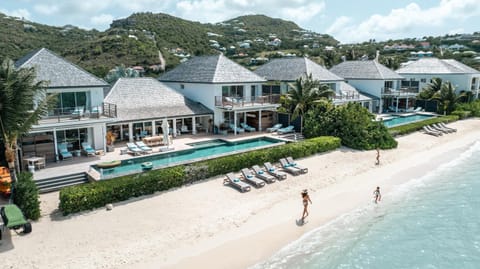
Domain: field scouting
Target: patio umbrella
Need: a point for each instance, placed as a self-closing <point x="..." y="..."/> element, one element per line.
<point x="165" y="128"/>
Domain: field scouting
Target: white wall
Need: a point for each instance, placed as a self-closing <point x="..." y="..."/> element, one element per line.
<point x="373" y="87"/>
<point x="98" y="136"/>
<point x="461" y="82"/>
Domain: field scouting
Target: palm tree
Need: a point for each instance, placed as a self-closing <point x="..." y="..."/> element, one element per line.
<point x="304" y="93"/>
<point x="121" y="72"/>
<point x="23" y="101"/>
<point x="432" y="87"/>
<point x="447" y="97"/>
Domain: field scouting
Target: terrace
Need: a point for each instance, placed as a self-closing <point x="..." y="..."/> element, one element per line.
<point x="232" y="102"/>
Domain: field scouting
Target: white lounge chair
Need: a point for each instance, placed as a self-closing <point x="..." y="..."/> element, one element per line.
<point x="430" y="132"/>
<point x="235" y="182"/>
<point x="250" y="178"/>
<point x="134" y="149"/>
<point x="440" y="129"/>
<point x="272" y="170"/>
<point x="143" y="147"/>
<point x="274" y="128"/>
<point x="446" y="127"/>
<point x="263" y="175"/>
<point x="286" y="130"/>
<point x="294" y="164"/>
<point x="290" y="168"/>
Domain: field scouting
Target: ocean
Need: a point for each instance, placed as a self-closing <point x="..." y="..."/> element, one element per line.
<point x="428" y="223"/>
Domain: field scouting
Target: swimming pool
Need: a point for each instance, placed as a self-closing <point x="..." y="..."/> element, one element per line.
<point x="199" y="151"/>
<point x="400" y="120"/>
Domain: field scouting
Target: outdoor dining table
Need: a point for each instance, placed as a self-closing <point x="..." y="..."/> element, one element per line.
<point x="33" y="160"/>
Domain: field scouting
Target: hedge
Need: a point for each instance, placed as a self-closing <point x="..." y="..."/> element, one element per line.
<point x="26" y="196"/>
<point x="97" y="194"/>
<point x="416" y="126"/>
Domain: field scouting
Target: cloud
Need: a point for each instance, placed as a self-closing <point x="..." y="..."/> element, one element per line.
<point x="20" y="13"/>
<point x="46" y="9"/>
<point x="101" y="19"/>
<point x="400" y="22"/>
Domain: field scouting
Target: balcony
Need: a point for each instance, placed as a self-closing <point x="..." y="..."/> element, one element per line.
<point x="230" y="102"/>
<point x="79" y="113"/>
<point x="402" y="92"/>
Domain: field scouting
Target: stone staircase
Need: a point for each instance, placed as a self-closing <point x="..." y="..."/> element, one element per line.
<point x="293" y="137"/>
<point x="59" y="182"/>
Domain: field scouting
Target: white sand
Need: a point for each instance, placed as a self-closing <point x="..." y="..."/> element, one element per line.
<point x="207" y="225"/>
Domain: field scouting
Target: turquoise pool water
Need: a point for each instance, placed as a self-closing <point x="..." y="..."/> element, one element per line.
<point x="200" y="150"/>
<point x="399" y="120"/>
<point x="429" y="223"/>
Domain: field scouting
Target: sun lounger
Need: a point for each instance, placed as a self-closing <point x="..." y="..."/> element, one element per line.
<point x="274" y="128"/>
<point x="446" y="127"/>
<point x="247" y="127"/>
<point x="429" y="128"/>
<point x="63" y="151"/>
<point x="134" y="149"/>
<point x="87" y="149"/>
<point x="289" y="168"/>
<point x="236" y="129"/>
<point x="235" y="182"/>
<point x="274" y="172"/>
<point x="294" y="164"/>
<point x="263" y="175"/>
<point x="143" y="147"/>
<point x="250" y="178"/>
<point x="286" y="130"/>
<point x="418" y="109"/>
<point x="440" y="129"/>
<point x="428" y="131"/>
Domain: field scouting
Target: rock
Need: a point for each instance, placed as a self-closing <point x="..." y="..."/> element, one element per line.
<point x="109" y="207"/>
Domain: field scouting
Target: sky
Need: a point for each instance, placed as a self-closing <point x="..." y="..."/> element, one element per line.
<point x="348" y="21"/>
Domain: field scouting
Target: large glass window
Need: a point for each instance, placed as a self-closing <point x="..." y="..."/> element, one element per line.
<point x="73" y="138"/>
<point x="68" y="101"/>
<point x="234" y="91"/>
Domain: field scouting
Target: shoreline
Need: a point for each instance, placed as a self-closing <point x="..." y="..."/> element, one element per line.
<point x="209" y="225"/>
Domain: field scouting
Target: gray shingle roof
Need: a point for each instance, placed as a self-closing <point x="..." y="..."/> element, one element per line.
<point x="364" y="70"/>
<point x="211" y="69"/>
<point x="436" y="66"/>
<point x="147" y="98"/>
<point x="58" y="71"/>
<point x="290" y="69"/>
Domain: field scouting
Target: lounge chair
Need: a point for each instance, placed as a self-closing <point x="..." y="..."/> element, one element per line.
<point x="250" y="178"/>
<point x="134" y="149"/>
<point x="63" y="151"/>
<point x="236" y="183"/>
<point x="428" y="131"/>
<point x="289" y="168"/>
<point x="440" y="129"/>
<point x="236" y="129"/>
<point x="247" y="127"/>
<point x="286" y="130"/>
<point x="143" y="147"/>
<point x="446" y="127"/>
<point x="274" y="172"/>
<point x="274" y="128"/>
<point x="428" y="127"/>
<point x="294" y="164"/>
<point x="78" y="112"/>
<point x="87" y="149"/>
<point x="263" y="175"/>
<point x="418" y="109"/>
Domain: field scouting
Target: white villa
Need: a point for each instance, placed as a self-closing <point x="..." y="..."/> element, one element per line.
<point x="283" y="71"/>
<point x="144" y="103"/>
<point x="232" y="92"/>
<point x="419" y="74"/>
<point x="80" y="114"/>
<point x="376" y="80"/>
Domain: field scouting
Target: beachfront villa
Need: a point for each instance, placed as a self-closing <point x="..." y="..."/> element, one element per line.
<point x="420" y="73"/>
<point x="378" y="81"/>
<point x="231" y="91"/>
<point x="144" y="103"/>
<point x="283" y="71"/>
<point x="79" y="115"/>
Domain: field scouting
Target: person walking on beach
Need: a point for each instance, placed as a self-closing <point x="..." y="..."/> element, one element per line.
<point x="378" y="157"/>
<point x="305" y="200"/>
<point x="376" y="195"/>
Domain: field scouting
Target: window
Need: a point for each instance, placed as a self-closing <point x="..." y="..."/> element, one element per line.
<point x="182" y="86"/>
<point x="68" y="101"/>
<point x="253" y="91"/>
<point x="423" y="80"/>
<point x="388" y="84"/>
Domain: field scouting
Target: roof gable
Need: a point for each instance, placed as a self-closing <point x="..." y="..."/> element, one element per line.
<point x="364" y="70"/>
<point x="290" y="69"/>
<point x="58" y="71"/>
<point x="210" y="69"/>
<point x="147" y="98"/>
<point x="436" y="66"/>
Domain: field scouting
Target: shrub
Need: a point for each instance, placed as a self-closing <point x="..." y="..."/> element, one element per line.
<point x="461" y="114"/>
<point x="473" y="107"/>
<point x="26" y="196"/>
<point x="97" y="194"/>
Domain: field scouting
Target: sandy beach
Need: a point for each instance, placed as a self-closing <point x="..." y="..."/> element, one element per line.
<point x="208" y="225"/>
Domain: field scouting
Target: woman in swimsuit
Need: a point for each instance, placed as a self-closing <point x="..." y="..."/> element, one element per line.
<point x="305" y="199"/>
<point x="377" y="195"/>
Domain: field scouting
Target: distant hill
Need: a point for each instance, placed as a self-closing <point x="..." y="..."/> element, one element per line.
<point x="138" y="39"/>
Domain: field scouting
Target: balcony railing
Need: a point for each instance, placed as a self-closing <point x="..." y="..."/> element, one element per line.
<point x="79" y="113"/>
<point x="347" y="96"/>
<point x="232" y="102"/>
<point x="407" y="91"/>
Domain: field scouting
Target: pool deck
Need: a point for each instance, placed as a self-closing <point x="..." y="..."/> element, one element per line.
<point x="83" y="163"/>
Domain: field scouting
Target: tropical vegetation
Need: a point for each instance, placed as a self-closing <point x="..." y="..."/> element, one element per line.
<point x="445" y="95"/>
<point x="26" y="196"/>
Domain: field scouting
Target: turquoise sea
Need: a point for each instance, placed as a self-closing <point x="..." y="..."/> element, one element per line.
<point x="428" y="223"/>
